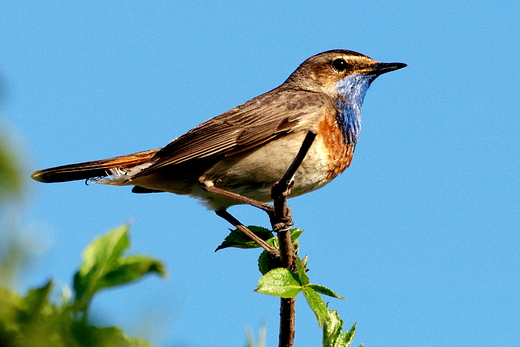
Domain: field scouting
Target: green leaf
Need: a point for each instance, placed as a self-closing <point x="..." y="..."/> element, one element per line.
<point x="302" y="272"/>
<point x="38" y="298"/>
<point x="295" y="234"/>
<point x="264" y="262"/>
<point x="98" y="259"/>
<point x="104" y="266"/>
<point x="280" y="282"/>
<point x="326" y="291"/>
<point x="238" y="239"/>
<point x="35" y="320"/>
<point x="131" y="268"/>
<point x="316" y="304"/>
<point x="105" y="249"/>
<point x="332" y="331"/>
<point x="11" y="307"/>
<point x="310" y="291"/>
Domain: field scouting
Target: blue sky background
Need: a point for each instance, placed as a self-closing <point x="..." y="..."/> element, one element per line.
<point x="420" y="234"/>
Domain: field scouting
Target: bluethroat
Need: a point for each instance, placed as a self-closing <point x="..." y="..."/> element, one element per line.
<point x="248" y="148"/>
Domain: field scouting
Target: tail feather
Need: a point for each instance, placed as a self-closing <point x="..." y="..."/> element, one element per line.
<point x="92" y="169"/>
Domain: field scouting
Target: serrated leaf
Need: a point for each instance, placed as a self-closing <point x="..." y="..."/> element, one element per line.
<point x="332" y="331"/>
<point x="325" y="291"/>
<point x="263" y="262"/>
<point x="238" y="239"/>
<point x="347" y="338"/>
<point x="316" y="304"/>
<point x="280" y="282"/>
<point x="331" y="328"/>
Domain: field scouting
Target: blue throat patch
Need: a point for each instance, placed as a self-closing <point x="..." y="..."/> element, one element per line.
<point x="352" y="92"/>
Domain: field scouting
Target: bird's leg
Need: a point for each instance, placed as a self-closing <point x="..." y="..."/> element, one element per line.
<point x="233" y="221"/>
<point x="208" y="186"/>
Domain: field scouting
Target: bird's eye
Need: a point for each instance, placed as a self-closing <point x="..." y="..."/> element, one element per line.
<point x="339" y="65"/>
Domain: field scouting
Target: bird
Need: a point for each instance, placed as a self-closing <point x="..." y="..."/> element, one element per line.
<point x="246" y="150"/>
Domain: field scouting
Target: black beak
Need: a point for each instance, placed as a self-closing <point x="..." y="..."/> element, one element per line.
<point x="382" y="68"/>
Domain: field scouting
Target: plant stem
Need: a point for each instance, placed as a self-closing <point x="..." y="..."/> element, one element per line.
<point x="281" y="222"/>
<point x="287" y="306"/>
<point x="287" y="322"/>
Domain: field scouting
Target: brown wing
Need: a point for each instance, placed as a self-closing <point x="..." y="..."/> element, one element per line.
<point x="244" y="127"/>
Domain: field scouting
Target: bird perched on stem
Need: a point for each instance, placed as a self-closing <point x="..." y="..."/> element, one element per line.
<point x="247" y="149"/>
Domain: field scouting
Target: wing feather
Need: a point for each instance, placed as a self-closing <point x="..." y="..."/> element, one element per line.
<point x="244" y="127"/>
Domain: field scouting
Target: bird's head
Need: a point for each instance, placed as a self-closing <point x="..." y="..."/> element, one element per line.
<point x="339" y="72"/>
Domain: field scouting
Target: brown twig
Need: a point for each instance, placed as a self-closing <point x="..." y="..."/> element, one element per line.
<point x="281" y="222"/>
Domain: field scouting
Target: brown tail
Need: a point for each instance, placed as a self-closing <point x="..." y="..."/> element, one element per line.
<point x="90" y="169"/>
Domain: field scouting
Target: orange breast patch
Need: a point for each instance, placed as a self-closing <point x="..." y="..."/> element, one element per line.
<point x="338" y="152"/>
